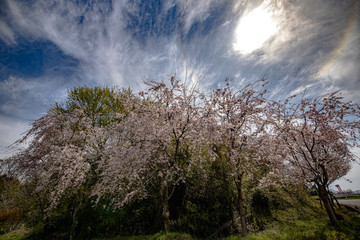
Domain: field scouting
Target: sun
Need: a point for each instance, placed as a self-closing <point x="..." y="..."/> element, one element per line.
<point x="253" y="30"/>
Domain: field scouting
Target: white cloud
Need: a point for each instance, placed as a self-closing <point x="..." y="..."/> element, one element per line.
<point x="343" y="70"/>
<point x="196" y="11"/>
<point x="301" y="89"/>
<point x="26" y="99"/>
<point x="6" y="34"/>
<point x="10" y="131"/>
<point x="14" y="86"/>
<point x="109" y="54"/>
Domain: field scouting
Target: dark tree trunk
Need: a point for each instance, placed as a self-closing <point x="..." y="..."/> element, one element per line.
<point x="333" y="199"/>
<point x="240" y="205"/>
<point x="74" y="222"/>
<point x="164" y="194"/>
<point x="320" y="200"/>
<point x="324" y="196"/>
<point x="337" y="202"/>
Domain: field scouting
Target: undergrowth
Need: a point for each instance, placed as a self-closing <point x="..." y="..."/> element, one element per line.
<point x="18" y="234"/>
<point x="319" y="228"/>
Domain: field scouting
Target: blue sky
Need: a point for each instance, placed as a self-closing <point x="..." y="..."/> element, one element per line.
<point x="47" y="47"/>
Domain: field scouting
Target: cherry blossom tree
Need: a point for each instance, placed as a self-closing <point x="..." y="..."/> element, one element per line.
<point x="107" y="143"/>
<point x="155" y="145"/>
<point x="65" y="146"/>
<point x="238" y="117"/>
<point x="318" y="135"/>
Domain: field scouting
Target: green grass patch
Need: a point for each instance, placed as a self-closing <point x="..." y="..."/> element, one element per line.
<point x="301" y="229"/>
<point x="18" y="234"/>
<point x="352" y="197"/>
<point x="157" y="236"/>
<point x="25" y="233"/>
<point x="319" y="228"/>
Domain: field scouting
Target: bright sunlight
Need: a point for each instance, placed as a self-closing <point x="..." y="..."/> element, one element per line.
<point x="253" y="30"/>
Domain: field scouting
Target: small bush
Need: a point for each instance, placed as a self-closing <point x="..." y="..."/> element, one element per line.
<point x="260" y="204"/>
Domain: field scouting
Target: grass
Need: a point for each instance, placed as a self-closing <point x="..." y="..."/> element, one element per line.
<point x="319" y="228"/>
<point x="297" y="230"/>
<point x="347" y="229"/>
<point x="316" y="197"/>
<point x="352" y="197"/>
<point x="157" y="236"/>
<point x="17" y="234"/>
<point x="24" y="233"/>
<point x="290" y="223"/>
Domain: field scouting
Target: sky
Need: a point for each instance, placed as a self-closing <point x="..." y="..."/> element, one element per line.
<point x="48" y="47"/>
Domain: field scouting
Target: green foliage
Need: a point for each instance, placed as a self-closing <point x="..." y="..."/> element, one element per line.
<point x="260" y="204"/>
<point x="171" y="236"/>
<point x="138" y="218"/>
<point x="100" y="104"/>
<point x="319" y="228"/>
<point x="260" y="210"/>
<point x="207" y="208"/>
<point x="202" y="205"/>
<point x="15" y="204"/>
<point x="348" y="228"/>
<point x="292" y="197"/>
<point x="87" y="108"/>
<point x="10" y="213"/>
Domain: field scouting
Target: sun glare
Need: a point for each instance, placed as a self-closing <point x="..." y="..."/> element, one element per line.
<point x="253" y="30"/>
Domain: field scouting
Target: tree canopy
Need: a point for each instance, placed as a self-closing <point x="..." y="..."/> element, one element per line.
<point x="108" y="147"/>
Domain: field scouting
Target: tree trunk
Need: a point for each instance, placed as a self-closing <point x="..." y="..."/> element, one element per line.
<point x="324" y="196"/>
<point x="333" y="199"/>
<point x="337" y="202"/>
<point x="240" y="205"/>
<point x="164" y="194"/>
<point x="320" y="200"/>
<point x="74" y="222"/>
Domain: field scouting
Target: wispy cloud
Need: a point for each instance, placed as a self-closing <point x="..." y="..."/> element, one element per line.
<point x="123" y="42"/>
<point x="6" y="34"/>
<point x="28" y="99"/>
<point x="11" y="130"/>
